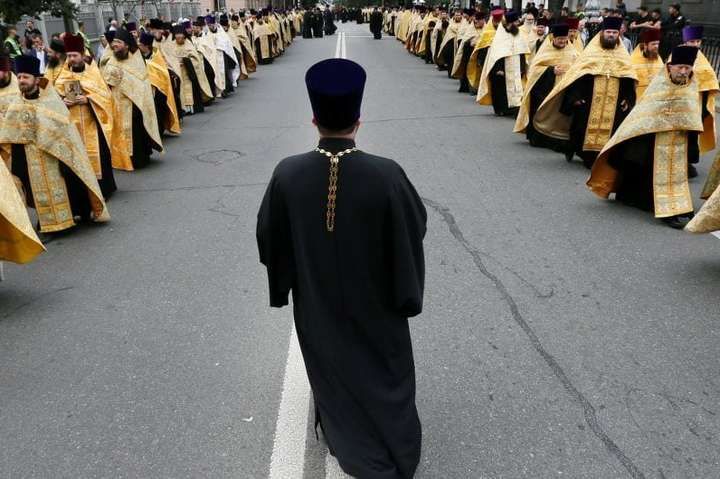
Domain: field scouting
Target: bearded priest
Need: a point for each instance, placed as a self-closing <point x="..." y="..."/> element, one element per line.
<point x="503" y="75"/>
<point x="645" y="162"/>
<point x="593" y="98"/>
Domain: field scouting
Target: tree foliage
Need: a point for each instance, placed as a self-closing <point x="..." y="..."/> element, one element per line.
<point x="12" y="11"/>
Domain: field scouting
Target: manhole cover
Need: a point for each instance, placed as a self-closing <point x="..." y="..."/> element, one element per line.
<point x="218" y="157"/>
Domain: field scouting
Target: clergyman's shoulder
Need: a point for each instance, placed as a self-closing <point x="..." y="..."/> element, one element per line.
<point x="386" y="167"/>
<point x="291" y="164"/>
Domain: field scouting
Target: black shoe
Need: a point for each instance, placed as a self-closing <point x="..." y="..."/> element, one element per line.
<point x="692" y="171"/>
<point x="677" y="222"/>
<point x="569" y="155"/>
<point x="588" y="163"/>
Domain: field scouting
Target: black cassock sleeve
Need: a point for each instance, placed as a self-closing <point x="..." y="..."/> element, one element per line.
<point x="581" y="89"/>
<point x="275" y="244"/>
<point x="407" y="226"/>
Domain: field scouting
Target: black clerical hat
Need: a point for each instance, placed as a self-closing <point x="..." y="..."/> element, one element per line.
<point x="611" y="23"/>
<point x="110" y="35"/>
<point x="560" y="30"/>
<point x="179" y="29"/>
<point x="224" y="21"/>
<point x="131" y="26"/>
<point x="335" y="87"/>
<point x="57" y="45"/>
<point x="683" y="55"/>
<point x="512" y="16"/>
<point x="146" y="39"/>
<point x="124" y="36"/>
<point x="27" y="64"/>
<point x="156" y="23"/>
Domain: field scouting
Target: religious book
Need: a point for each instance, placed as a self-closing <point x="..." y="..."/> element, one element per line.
<point x="73" y="90"/>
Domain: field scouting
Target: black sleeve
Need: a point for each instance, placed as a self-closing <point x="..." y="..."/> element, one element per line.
<point x="482" y="55"/>
<point x="275" y="244"/>
<point x="523" y="65"/>
<point x="408" y="220"/>
<point x="576" y="92"/>
<point x="705" y="111"/>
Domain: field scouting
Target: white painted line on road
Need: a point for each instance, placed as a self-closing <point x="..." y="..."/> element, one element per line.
<point x="344" y="49"/>
<point x="714" y="233"/>
<point x="288" y="456"/>
<point x="337" y="45"/>
<point x="333" y="470"/>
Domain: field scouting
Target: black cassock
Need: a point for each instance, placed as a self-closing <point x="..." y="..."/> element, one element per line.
<point x="498" y="90"/>
<point x="307" y="25"/>
<point x="376" y="21"/>
<point x="582" y="89"/>
<point x="353" y="290"/>
<point x="540" y="90"/>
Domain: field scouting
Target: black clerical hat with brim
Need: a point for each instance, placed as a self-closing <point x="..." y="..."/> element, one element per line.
<point x="27" y="64"/>
<point x="335" y="87"/>
<point x="611" y="23"/>
<point x="683" y="55"/>
<point x="560" y="30"/>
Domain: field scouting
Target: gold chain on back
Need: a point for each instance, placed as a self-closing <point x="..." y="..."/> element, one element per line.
<point x="332" y="184"/>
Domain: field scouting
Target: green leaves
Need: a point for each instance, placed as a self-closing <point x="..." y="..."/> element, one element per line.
<point x="12" y="10"/>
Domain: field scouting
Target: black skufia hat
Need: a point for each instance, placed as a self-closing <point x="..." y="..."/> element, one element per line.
<point x="57" y="45"/>
<point x="125" y="36"/>
<point x="27" y="64"/>
<point x="335" y="87"/>
<point x="560" y="30"/>
<point x="156" y="23"/>
<point x="683" y="55"/>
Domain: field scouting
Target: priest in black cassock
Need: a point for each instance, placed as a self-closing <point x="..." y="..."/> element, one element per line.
<point x="376" y="22"/>
<point x="343" y="230"/>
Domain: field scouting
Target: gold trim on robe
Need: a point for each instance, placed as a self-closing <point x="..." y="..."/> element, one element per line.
<point x="100" y="100"/>
<point x="707" y="81"/>
<point x="248" y="51"/>
<point x="547" y="56"/>
<point x="263" y="33"/>
<point x="664" y="108"/>
<point x="595" y="61"/>
<point x="707" y="219"/>
<point x="50" y="138"/>
<point x="174" y="54"/>
<point x="470" y="34"/>
<point x="18" y="241"/>
<point x="486" y="39"/>
<point x="645" y="69"/>
<point x="504" y="45"/>
<point x="159" y="76"/>
<point x="452" y="32"/>
<point x="129" y="84"/>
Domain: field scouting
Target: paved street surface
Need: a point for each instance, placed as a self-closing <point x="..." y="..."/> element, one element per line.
<point x="562" y="336"/>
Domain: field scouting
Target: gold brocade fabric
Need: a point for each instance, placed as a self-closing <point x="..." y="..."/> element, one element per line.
<point x="645" y="69"/>
<point x="594" y="60"/>
<point x="421" y="45"/>
<point x="713" y="179"/>
<point x="665" y="107"/>
<point x="96" y="90"/>
<point x="508" y="46"/>
<point x="84" y="121"/>
<point x="453" y="30"/>
<point x="248" y="52"/>
<point x="129" y="83"/>
<point x="18" y="241"/>
<point x="469" y="36"/>
<point x="578" y="45"/>
<point x="159" y="77"/>
<point x="174" y="54"/>
<point x="671" y="190"/>
<point x="547" y="56"/>
<point x="602" y="112"/>
<point x="206" y="47"/>
<point x="43" y="126"/>
<point x="707" y="82"/>
<point x="402" y="25"/>
<point x="708" y="218"/>
<point x="486" y="39"/>
<point x="52" y="73"/>
<point x="263" y="33"/>
<point x="235" y="42"/>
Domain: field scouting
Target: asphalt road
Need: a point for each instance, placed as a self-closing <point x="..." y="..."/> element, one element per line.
<point x="563" y="336"/>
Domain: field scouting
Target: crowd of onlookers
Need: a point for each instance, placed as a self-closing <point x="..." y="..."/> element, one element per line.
<point x="670" y="24"/>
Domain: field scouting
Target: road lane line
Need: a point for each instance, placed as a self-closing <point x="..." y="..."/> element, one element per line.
<point x="337" y="45"/>
<point x="344" y="49"/>
<point x="288" y="456"/>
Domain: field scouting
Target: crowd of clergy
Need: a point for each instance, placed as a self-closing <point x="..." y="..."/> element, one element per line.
<point x="64" y="131"/>
<point x="638" y="121"/>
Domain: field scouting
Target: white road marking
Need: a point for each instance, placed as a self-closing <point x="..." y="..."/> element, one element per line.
<point x="337" y="45"/>
<point x="716" y="234"/>
<point x="288" y="456"/>
<point x="332" y="469"/>
<point x="344" y="49"/>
